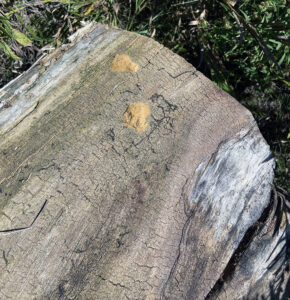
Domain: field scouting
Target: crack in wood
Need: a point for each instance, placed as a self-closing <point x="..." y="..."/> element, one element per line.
<point x="26" y="227"/>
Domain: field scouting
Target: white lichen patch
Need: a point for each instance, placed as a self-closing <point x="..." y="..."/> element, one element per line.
<point x="234" y="187"/>
<point x="136" y="114"/>
<point x="123" y="62"/>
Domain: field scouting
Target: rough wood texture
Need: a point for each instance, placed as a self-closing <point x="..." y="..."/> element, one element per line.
<point x="93" y="209"/>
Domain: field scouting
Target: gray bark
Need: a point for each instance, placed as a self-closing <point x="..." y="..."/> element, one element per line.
<point x="91" y="208"/>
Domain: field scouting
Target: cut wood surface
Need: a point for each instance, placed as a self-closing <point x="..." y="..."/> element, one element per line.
<point x="127" y="174"/>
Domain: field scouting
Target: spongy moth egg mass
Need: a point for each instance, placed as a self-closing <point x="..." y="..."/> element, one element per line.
<point x="123" y="62"/>
<point x="136" y="114"/>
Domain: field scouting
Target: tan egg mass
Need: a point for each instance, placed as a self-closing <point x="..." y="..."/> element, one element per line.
<point x="136" y="114"/>
<point x="123" y="62"/>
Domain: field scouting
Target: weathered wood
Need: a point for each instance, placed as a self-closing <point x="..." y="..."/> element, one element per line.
<point x="142" y="183"/>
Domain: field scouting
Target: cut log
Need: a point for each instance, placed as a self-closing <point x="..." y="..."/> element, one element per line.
<point x="127" y="174"/>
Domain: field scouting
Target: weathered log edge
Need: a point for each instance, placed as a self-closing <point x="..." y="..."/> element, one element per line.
<point x="219" y="175"/>
<point x="16" y="100"/>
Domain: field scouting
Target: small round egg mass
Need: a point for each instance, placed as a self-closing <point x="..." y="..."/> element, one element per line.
<point x="136" y="114"/>
<point x="123" y="62"/>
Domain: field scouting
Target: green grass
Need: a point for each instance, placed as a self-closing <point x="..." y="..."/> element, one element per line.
<point x="243" y="46"/>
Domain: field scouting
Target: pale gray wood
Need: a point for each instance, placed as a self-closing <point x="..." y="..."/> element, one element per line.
<point x="103" y="211"/>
